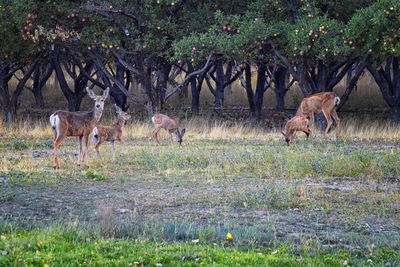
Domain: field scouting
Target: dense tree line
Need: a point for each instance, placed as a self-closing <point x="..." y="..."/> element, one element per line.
<point x="212" y="43"/>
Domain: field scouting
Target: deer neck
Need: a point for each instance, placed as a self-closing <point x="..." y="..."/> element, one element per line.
<point x="97" y="114"/>
<point x="120" y="122"/>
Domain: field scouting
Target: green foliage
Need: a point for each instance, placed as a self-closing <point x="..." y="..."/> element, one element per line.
<point x="375" y="30"/>
<point x="13" y="22"/>
<point x="91" y="174"/>
<point x="60" y="246"/>
<point x="318" y="38"/>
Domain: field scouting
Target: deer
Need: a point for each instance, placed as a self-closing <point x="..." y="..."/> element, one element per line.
<point x="79" y="124"/>
<point x="161" y="121"/>
<point x="325" y="102"/>
<point x="110" y="133"/>
<point x="297" y="123"/>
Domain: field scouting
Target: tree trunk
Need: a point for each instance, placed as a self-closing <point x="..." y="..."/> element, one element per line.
<point x="10" y="102"/>
<point x="195" y="87"/>
<point x="219" y="90"/>
<point x="36" y="89"/>
<point x="5" y="96"/>
<point x="280" y="78"/>
<point x="388" y="79"/>
<point x="161" y="85"/>
<point x="353" y="75"/>
<point x="146" y="86"/>
<point x="249" y="90"/>
<point x="40" y="77"/>
<point x="74" y="97"/>
<point x="118" y="96"/>
<point x="260" y="89"/>
<point x="39" y="101"/>
<point x="396" y="114"/>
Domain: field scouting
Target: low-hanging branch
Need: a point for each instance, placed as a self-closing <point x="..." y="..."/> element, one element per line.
<point x="176" y="88"/>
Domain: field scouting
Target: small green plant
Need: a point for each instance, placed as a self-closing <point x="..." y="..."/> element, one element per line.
<point x="20" y="144"/>
<point x="91" y="174"/>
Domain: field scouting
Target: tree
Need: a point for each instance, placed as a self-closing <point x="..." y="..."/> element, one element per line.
<point x="375" y="31"/>
<point x="17" y="54"/>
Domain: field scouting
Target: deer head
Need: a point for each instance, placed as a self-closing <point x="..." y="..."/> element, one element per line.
<point x="179" y="133"/>
<point x="121" y="114"/>
<point x="99" y="100"/>
<point x="288" y="137"/>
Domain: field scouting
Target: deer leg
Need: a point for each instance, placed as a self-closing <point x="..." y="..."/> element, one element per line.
<point x="113" y="149"/>
<point x="57" y="142"/>
<point x="312" y="118"/>
<point x="328" y="120"/>
<point x="123" y="144"/>
<point x="155" y="134"/>
<point x="86" y="149"/>
<point x="307" y="132"/>
<point x="336" y="118"/>
<point x="80" y="151"/>
<point x="97" y="148"/>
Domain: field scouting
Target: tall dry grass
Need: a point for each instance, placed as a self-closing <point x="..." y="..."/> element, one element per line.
<point x="199" y="128"/>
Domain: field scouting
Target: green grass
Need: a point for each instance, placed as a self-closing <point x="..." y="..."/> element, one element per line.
<point x="70" y="247"/>
<point x="306" y="204"/>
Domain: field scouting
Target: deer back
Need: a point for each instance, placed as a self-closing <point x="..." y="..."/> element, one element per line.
<point x="163" y="121"/>
<point x="77" y="123"/>
<point x="297" y="123"/>
<point x="109" y="133"/>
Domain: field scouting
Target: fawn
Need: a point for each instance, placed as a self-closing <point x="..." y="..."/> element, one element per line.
<point x="297" y="123"/>
<point x="111" y="133"/>
<point x="80" y="124"/>
<point x="162" y="121"/>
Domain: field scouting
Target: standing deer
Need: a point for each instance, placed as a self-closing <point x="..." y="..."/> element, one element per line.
<point x="80" y="124"/>
<point x="325" y="102"/>
<point x="111" y="133"/>
<point x="297" y="123"/>
<point x="162" y="121"/>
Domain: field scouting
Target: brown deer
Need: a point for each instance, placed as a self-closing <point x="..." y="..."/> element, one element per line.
<point x="325" y="102"/>
<point x="111" y="133"/>
<point x="80" y="124"/>
<point x="162" y="121"/>
<point x="297" y="123"/>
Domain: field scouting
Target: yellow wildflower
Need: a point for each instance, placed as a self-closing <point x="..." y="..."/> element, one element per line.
<point x="229" y="237"/>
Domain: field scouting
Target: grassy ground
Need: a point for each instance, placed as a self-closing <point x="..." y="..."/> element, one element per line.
<point x="328" y="201"/>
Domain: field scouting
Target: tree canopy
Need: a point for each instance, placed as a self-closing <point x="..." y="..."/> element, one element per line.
<point x="112" y="43"/>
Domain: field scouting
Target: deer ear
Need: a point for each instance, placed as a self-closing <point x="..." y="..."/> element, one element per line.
<point x="183" y="131"/>
<point x="117" y="109"/>
<point x="106" y="92"/>
<point x="90" y="93"/>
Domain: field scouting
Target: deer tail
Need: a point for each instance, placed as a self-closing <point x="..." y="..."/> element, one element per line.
<point x="337" y="101"/>
<point x="54" y="120"/>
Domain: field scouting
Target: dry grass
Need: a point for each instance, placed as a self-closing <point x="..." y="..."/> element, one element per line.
<point x="206" y="129"/>
<point x="370" y="130"/>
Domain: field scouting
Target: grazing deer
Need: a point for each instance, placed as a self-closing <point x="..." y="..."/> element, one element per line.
<point x="297" y="123"/>
<point x="325" y="102"/>
<point x="80" y="124"/>
<point x="111" y="133"/>
<point x="162" y="121"/>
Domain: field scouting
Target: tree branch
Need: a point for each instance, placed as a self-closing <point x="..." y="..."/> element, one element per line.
<point x="172" y="91"/>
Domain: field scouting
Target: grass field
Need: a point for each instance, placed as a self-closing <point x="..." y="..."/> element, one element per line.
<point x="330" y="201"/>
